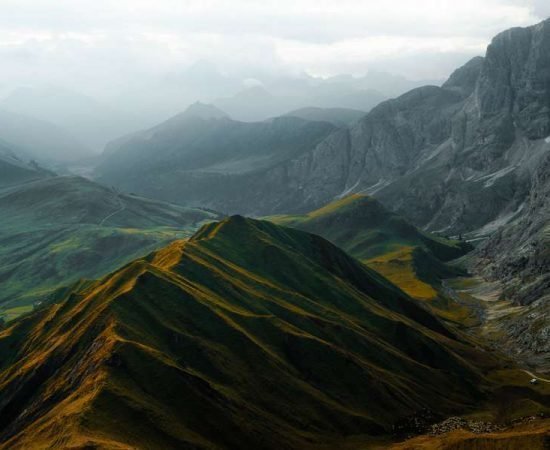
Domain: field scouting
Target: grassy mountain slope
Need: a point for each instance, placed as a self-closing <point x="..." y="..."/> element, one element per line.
<point x="248" y="335"/>
<point x="366" y="230"/>
<point x="59" y="229"/>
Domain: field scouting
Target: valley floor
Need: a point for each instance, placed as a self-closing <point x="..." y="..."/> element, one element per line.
<point x="502" y="325"/>
<point x="517" y="416"/>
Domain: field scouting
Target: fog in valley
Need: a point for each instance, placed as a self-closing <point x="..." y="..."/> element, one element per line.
<point x="78" y="75"/>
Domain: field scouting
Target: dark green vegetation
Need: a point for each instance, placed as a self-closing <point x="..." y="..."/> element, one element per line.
<point x="203" y="157"/>
<point x="360" y="225"/>
<point x="364" y="228"/>
<point x="251" y="334"/>
<point x="57" y="230"/>
<point x="248" y="335"/>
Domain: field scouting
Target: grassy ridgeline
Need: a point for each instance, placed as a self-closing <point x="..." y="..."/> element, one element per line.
<point x="57" y="230"/>
<point x="247" y="335"/>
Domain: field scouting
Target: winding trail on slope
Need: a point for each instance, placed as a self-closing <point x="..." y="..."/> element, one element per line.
<point x="122" y="207"/>
<point x="532" y="375"/>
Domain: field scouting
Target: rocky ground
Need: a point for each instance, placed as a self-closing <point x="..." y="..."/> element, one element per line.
<point x="520" y="331"/>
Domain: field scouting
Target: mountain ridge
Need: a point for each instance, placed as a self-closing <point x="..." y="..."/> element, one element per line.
<point x="454" y="159"/>
<point x="236" y="279"/>
<point x="58" y="229"/>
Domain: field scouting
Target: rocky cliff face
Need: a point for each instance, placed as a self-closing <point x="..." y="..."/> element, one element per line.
<point x="455" y="158"/>
<point x="458" y="158"/>
<point x="519" y="254"/>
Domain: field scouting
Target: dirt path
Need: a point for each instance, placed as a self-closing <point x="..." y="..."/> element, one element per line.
<point x="532" y="375"/>
<point x="122" y="207"/>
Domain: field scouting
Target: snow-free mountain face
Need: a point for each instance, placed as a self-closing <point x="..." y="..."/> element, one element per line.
<point x="453" y="158"/>
<point x="519" y="254"/>
<point x="15" y="168"/>
<point x="457" y="158"/>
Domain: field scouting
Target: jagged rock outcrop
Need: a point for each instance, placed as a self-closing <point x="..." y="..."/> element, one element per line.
<point x="519" y="254"/>
<point x="454" y="158"/>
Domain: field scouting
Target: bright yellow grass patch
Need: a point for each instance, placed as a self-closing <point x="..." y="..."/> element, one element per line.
<point x="398" y="267"/>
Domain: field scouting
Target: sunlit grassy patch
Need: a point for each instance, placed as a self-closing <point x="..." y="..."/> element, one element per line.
<point x="12" y="313"/>
<point x="398" y="267"/>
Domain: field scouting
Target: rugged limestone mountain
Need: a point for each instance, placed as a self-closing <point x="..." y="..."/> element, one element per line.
<point x="204" y="158"/>
<point x="519" y="254"/>
<point x="248" y="335"/>
<point x="458" y="158"/>
<point x="517" y="257"/>
<point x="56" y="230"/>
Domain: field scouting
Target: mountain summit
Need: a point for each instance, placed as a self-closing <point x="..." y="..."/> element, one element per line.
<point x="248" y="335"/>
<point x="204" y="111"/>
<point x="455" y="158"/>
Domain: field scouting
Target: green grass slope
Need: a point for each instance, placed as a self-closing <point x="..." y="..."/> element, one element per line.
<point x="57" y="230"/>
<point x="247" y="335"/>
<point x="360" y="225"/>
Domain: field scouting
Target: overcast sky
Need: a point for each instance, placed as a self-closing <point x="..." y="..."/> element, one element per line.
<point x="105" y="44"/>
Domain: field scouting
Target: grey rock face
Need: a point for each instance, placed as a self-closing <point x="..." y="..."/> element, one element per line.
<point x="458" y="158"/>
<point x="519" y="254"/>
<point x="454" y="158"/>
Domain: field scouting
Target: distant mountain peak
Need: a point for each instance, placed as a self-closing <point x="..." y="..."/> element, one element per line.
<point x="205" y="111"/>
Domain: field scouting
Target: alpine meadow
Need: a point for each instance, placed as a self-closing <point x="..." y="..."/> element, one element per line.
<point x="291" y="225"/>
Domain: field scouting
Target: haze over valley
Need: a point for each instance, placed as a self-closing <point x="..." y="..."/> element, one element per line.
<point x="303" y="225"/>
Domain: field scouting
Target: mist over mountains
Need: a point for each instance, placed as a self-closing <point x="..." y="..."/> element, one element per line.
<point x="256" y="259"/>
<point x="438" y="155"/>
<point x="80" y="125"/>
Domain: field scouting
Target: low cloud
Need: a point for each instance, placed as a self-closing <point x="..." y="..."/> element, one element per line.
<point x="104" y="45"/>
